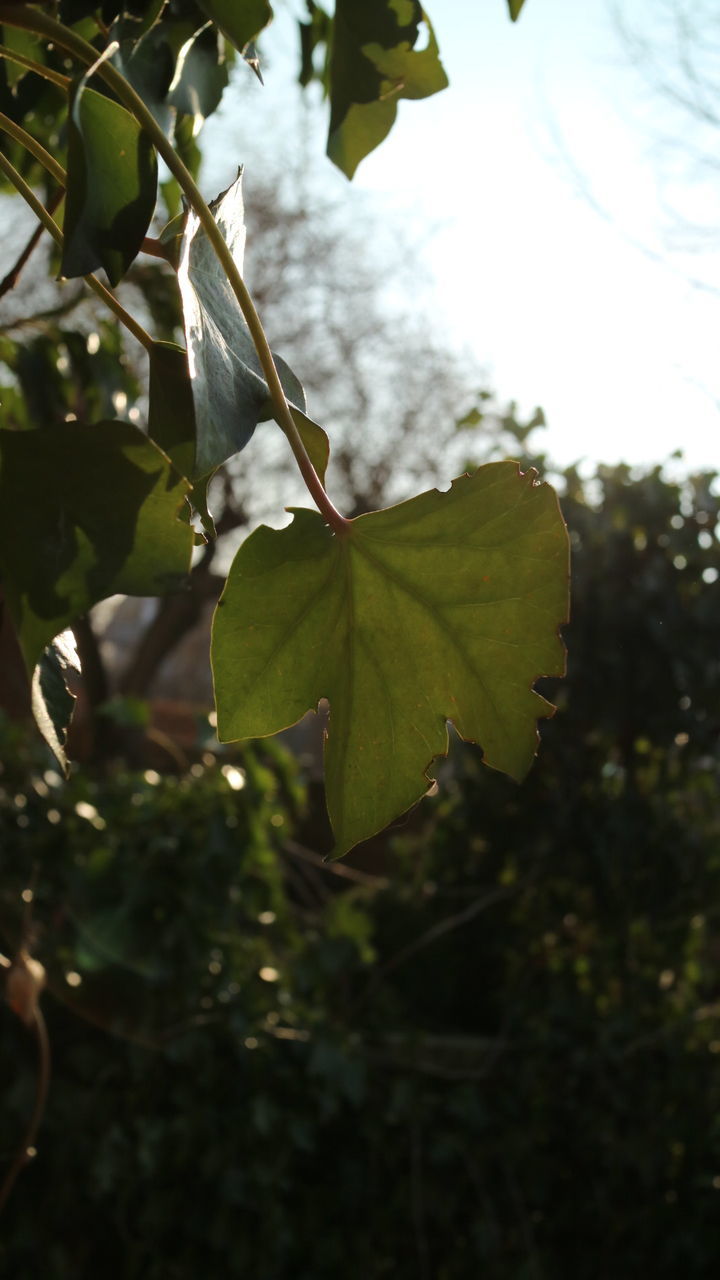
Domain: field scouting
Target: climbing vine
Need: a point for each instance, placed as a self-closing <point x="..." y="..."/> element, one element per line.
<point x="445" y="608"/>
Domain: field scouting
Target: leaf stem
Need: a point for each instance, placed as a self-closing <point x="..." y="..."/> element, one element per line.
<point x="51" y="226"/>
<point x="155" y="248"/>
<point x="47" y="73"/>
<point x="42" y="24"/>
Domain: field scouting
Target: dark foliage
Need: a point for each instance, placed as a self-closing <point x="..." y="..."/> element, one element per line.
<point x="502" y="1060"/>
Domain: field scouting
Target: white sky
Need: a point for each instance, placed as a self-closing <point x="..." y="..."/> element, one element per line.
<point x="559" y="304"/>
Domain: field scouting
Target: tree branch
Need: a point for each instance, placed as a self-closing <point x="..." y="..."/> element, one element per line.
<point x="13" y="275"/>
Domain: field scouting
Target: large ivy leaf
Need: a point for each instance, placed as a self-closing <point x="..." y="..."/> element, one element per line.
<point x="52" y="701"/>
<point x="230" y="392"/>
<point x="85" y="512"/>
<point x="373" y="64"/>
<point x="446" y="607"/>
<point x="111" y="186"/>
<point x="240" y="20"/>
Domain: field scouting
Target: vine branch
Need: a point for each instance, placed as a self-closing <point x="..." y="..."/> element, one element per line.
<point x="47" y="73"/>
<point x="50" y="225"/>
<point x="42" y="24"/>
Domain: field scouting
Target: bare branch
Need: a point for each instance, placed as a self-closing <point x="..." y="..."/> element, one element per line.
<point x="13" y="275"/>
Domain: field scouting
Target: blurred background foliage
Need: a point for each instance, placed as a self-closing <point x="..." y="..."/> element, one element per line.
<point x="487" y="1043"/>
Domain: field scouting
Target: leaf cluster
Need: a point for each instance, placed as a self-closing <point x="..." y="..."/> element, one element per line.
<point x="445" y="608"/>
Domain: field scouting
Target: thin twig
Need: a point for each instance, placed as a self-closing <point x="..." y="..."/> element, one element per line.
<point x="38" y="208"/>
<point x="39" y="68"/>
<point x="13" y="275"/>
<point x="50" y="313"/>
<point x="335" y="868"/>
<point x="447" y="925"/>
<point x="440" y="1056"/>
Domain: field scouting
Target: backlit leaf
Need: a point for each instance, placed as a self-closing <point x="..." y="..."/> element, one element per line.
<point x="171" y="420"/>
<point x="85" y="512"/>
<point x="140" y="17"/>
<point x="52" y="701"/>
<point x="230" y="392"/>
<point x="111" y="186"/>
<point x="443" y="608"/>
<point x="373" y="64"/>
<point x="240" y="20"/>
<point x="148" y="61"/>
<point x="314" y="439"/>
<point x="171" y="410"/>
<point x="252" y="60"/>
<point x="201" y="76"/>
<point x="176" y="63"/>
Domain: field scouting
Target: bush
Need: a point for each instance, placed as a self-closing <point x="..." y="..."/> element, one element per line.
<point x="495" y="1055"/>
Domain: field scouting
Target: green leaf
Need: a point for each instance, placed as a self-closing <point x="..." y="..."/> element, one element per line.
<point x="230" y="392"/>
<point x="52" y="701"/>
<point x="178" y="63"/>
<point x="27" y="45"/>
<point x="515" y="6"/>
<point x="201" y="76"/>
<point x="373" y="64"/>
<point x="171" y="236"/>
<point x="171" y="421"/>
<point x="252" y="60"/>
<point x="148" y="61"/>
<point x="171" y="410"/>
<point x="314" y="439"/>
<point x="315" y="35"/>
<point x="140" y="22"/>
<point x="85" y="512"/>
<point x="446" y="607"/>
<point x="240" y="20"/>
<point x="469" y="421"/>
<point x="111" y="186"/>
